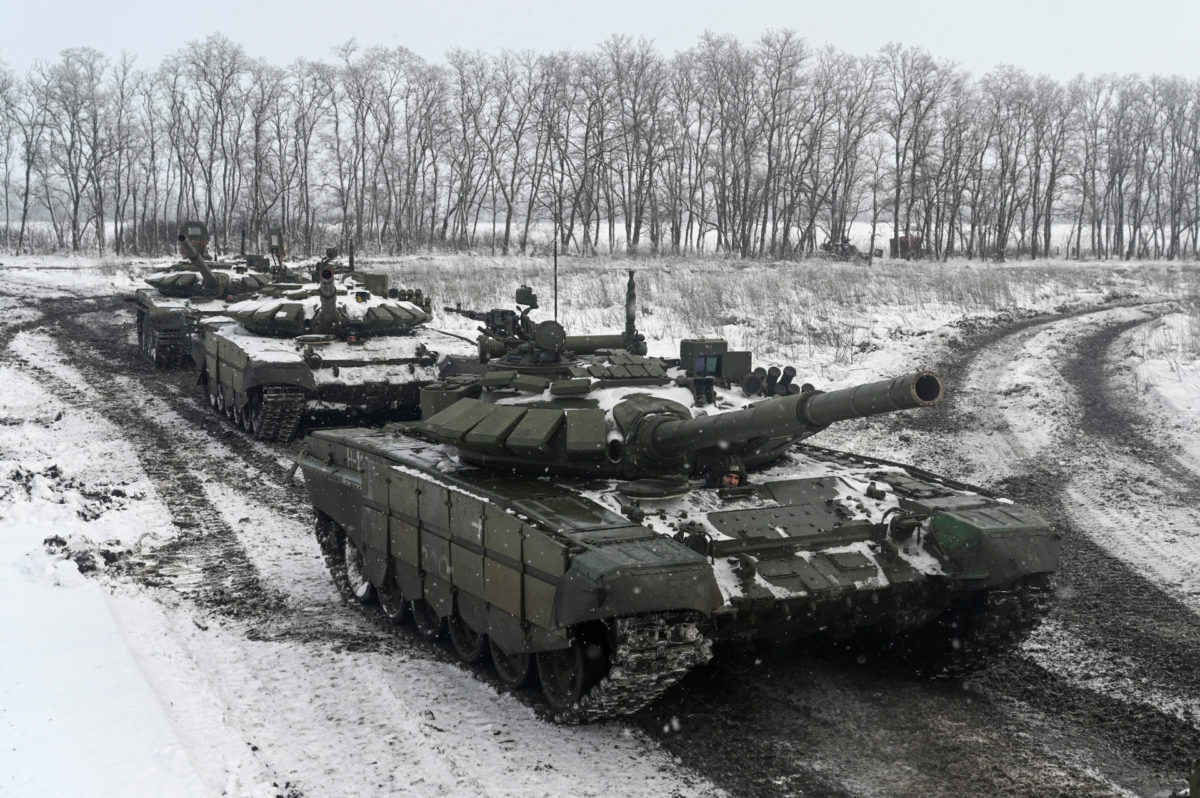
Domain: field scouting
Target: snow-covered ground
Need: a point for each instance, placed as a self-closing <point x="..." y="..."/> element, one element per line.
<point x="107" y="688"/>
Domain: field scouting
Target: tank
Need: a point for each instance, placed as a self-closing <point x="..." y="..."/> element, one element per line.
<point x="331" y="352"/>
<point x="597" y="522"/>
<point x="183" y="293"/>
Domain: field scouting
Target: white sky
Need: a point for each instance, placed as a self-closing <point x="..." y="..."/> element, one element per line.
<point x="1058" y="37"/>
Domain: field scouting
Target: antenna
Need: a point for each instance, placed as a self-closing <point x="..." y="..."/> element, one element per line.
<point x="630" y="312"/>
<point x="556" y="272"/>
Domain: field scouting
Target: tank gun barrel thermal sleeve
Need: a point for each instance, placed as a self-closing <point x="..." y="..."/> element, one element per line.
<point x="795" y="415"/>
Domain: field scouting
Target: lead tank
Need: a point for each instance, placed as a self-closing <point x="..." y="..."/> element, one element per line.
<point x="330" y="351"/>
<point x="185" y="292"/>
<point x="596" y="522"/>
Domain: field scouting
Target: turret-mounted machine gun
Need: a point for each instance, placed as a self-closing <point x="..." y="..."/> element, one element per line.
<point x="510" y="339"/>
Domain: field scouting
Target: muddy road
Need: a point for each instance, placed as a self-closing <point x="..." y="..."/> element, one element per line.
<point x="1103" y="700"/>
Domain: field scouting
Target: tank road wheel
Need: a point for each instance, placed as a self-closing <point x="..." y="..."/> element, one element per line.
<point x="333" y="542"/>
<point x="238" y="416"/>
<point x="568" y="674"/>
<point x="155" y="352"/>
<point x="244" y="413"/>
<point x="257" y="413"/>
<point x="469" y="645"/>
<point x="361" y="588"/>
<point x="427" y="622"/>
<point x="144" y="331"/>
<point x="515" y="670"/>
<point x="392" y="602"/>
<point x="220" y="400"/>
<point x="161" y="353"/>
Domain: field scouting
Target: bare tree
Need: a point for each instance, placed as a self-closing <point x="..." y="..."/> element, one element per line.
<point x="8" y="139"/>
<point x="913" y="86"/>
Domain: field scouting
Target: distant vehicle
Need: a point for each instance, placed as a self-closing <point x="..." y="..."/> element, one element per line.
<point x="842" y="250"/>
<point x="909" y="247"/>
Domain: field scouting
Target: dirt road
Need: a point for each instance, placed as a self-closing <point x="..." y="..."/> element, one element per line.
<point x="1103" y="700"/>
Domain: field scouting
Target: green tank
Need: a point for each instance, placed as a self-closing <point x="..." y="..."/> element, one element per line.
<point x="331" y="351"/>
<point x="596" y="522"/>
<point x="185" y="292"/>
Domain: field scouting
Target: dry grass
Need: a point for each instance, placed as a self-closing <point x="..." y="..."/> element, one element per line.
<point x="818" y="311"/>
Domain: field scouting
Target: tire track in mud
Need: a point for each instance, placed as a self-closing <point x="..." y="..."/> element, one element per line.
<point x="203" y="563"/>
<point x="206" y="564"/>
<point x="106" y="337"/>
<point x="1102" y="600"/>
<point x="783" y="721"/>
<point x="96" y="331"/>
<point x="776" y="721"/>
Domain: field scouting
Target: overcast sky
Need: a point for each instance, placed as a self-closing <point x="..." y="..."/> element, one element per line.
<point x="1057" y="37"/>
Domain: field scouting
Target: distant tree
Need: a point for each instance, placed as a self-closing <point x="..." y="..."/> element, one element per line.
<point x="913" y="84"/>
<point x="8" y="139"/>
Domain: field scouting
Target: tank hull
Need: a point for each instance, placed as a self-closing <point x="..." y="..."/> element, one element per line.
<point x="165" y="325"/>
<point x="538" y="565"/>
<point x="326" y="382"/>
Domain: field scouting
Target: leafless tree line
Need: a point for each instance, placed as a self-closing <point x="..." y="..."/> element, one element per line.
<point x="767" y="150"/>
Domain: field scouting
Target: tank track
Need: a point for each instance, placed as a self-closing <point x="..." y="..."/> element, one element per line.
<point x="996" y="624"/>
<point x="651" y="653"/>
<point x="283" y="405"/>
<point x="168" y="350"/>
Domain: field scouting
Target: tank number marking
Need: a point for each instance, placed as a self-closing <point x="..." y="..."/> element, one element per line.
<point x="439" y="560"/>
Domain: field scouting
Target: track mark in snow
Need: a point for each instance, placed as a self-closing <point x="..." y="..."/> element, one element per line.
<point x="204" y="563"/>
<point x="1043" y="425"/>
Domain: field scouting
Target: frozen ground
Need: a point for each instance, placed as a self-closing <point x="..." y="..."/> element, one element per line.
<point x="169" y="629"/>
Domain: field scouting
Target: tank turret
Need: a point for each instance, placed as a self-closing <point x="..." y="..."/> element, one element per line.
<point x="204" y="279"/>
<point x="210" y="280"/>
<point x="649" y="435"/>
<point x="345" y="311"/>
<point x="319" y="353"/>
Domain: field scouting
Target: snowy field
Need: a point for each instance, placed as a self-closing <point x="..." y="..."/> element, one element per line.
<point x="112" y="687"/>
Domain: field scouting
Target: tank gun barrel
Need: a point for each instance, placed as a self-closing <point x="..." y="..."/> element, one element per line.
<point x="798" y="415"/>
<point x="474" y="315"/>
<point x="589" y="344"/>
<point x="327" y="315"/>
<point x="210" y="278"/>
